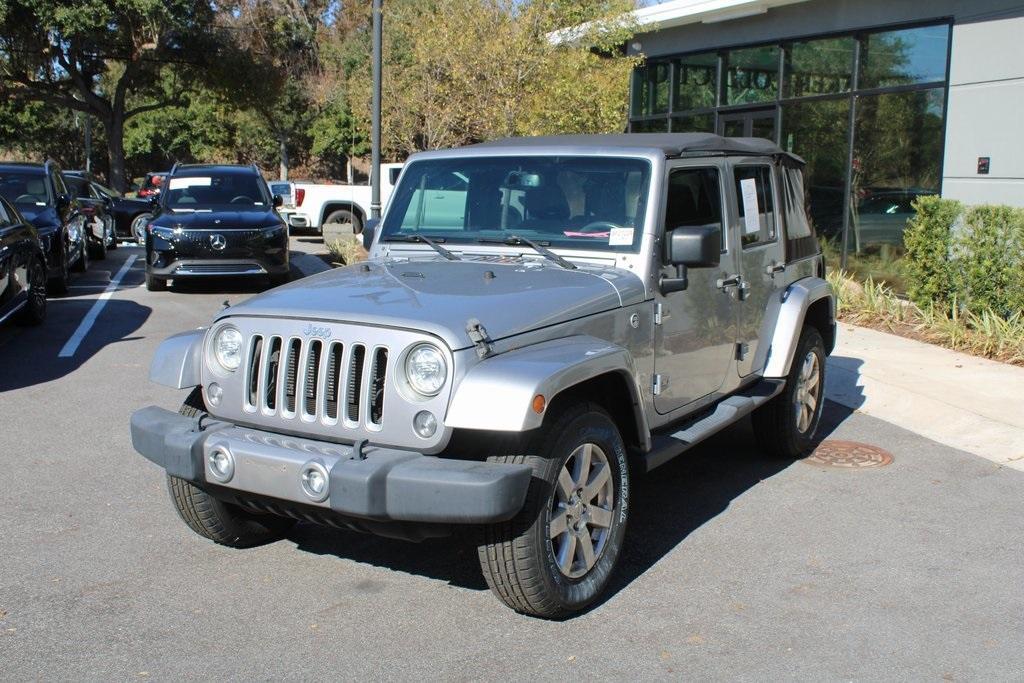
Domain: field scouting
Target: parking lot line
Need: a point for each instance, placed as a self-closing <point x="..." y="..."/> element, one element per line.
<point x="83" y="328"/>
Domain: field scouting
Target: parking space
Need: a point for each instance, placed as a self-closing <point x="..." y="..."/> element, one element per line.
<point x="737" y="567"/>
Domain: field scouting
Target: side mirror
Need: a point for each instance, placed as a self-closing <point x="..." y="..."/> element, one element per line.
<point x="698" y="246"/>
<point x="278" y="201"/>
<point x="368" y="231"/>
<point x="63" y="201"/>
<point x="154" y="203"/>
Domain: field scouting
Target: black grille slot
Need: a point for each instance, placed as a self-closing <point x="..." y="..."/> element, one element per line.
<point x="273" y="366"/>
<point x="312" y="375"/>
<point x="378" y="375"/>
<point x="255" y="355"/>
<point x="332" y="380"/>
<point x="354" y="383"/>
<point x="290" y="374"/>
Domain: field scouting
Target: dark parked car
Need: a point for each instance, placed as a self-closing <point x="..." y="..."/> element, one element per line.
<point x="152" y="184"/>
<point x="96" y="209"/>
<point x="22" y="268"/>
<point x="130" y="215"/>
<point x="39" y="194"/>
<point x="216" y="221"/>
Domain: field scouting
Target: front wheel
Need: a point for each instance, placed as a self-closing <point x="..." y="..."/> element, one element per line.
<point x="785" y="426"/>
<point x="213" y="518"/>
<point x="557" y="555"/>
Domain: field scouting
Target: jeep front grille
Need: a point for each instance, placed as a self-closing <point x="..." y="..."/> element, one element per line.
<point x="312" y="378"/>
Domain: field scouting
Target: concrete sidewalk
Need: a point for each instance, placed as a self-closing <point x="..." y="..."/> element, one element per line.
<point x="969" y="403"/>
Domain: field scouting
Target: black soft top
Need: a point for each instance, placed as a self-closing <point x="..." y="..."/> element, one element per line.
<point x="670" y="144"/>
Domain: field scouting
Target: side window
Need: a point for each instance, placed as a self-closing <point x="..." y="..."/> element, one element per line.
<point x="756" y="204"/>
<point x="5" y="217"/>
<point x="693" y="199"/>
<point x="58" y="184"/>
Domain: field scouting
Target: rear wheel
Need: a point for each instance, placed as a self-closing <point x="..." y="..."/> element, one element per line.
<point x="557" y="555"/>
<point x="345" y="216"/>
<point x="34" y="312"/>
<point x="155" y="284"/>
<point x="785" y="426"/>
<point x="213" y="518"/>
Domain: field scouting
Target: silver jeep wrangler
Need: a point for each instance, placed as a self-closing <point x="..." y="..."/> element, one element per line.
<point x="539" y="319"/>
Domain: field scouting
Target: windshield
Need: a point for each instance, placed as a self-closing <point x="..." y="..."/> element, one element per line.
<point x="230" y="191"/>
<point x="24" y="189"/>
<point x="567" y="202"/>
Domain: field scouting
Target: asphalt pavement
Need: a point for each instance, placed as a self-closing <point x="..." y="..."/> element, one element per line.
<point x="736" y="568"/>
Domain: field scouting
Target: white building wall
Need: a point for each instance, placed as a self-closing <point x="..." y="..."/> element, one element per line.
<point x="985" y="117"/>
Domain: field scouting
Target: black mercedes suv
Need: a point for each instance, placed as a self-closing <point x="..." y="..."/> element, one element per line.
<point x="215" y="220"/>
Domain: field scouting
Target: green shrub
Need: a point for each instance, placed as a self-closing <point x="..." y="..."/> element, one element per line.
<point x="928" y="240"/>
<point x="970" y="258"/>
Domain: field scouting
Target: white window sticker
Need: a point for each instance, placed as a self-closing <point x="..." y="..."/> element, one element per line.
<point x="179" y="183"/>
<point x="619" y="237"/>
<point x="751" y="211"/>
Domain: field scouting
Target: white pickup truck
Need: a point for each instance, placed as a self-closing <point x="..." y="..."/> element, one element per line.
<point x="313" y="205"/>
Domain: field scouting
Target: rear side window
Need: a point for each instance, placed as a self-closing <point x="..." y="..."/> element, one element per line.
<point x="694" y="199"/>
<point x="756" y="204"/>
<point x="800" y="238"/>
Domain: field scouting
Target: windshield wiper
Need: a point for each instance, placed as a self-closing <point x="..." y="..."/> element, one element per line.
<point x="515" y="241"/>
<point x="431" y="242"/>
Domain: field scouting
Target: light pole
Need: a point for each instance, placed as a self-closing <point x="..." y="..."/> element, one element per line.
<point x="375" y="114"/>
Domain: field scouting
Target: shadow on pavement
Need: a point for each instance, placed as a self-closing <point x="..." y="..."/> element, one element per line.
<point x="668" y="505"/>
<point x="32" y="357"/>
<point x="221" y="285"/>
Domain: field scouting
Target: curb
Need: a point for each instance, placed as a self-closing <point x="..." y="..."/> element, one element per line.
<point x="970" y="403"/>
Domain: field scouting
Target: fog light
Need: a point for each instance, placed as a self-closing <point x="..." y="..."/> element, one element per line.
<point x="221" y="464"/>
<point x="214" y="392"/>
<point x="314" y="480"/>
<point x="425" y="424"/>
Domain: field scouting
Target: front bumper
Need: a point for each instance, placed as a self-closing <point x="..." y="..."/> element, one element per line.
<point x="383" y="485"/>
<point x="187" y="267"/>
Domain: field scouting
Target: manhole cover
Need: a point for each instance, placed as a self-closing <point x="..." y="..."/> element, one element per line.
<point x="848" y="454"/>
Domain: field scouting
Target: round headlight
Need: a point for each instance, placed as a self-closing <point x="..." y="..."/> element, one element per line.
<point x="227" y="348"/>
<point x="425" y="369"/>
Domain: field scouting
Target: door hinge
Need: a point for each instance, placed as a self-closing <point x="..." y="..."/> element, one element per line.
<point x="742" y="350"/>
<point x="658" y="315"/>
<point x="478" y="336"/>
<point x="657" y="385"/>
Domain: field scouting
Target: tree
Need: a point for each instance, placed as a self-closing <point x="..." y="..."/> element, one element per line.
<point x="462" y="71"/>
<point x="95" y="57"/>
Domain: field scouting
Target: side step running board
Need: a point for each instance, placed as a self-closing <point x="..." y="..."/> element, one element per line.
<point x="729" y="410"/>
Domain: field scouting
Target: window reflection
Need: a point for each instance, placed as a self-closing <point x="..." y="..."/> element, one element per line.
<point x="752" y="75"/>
<point x="696" y="78"/>
<point x="916" y="55"/>
<point x="819" y="67"/>
<point x="695" y="123"/>
<point x="897" y="153"/>
<point x="817" y="131"/>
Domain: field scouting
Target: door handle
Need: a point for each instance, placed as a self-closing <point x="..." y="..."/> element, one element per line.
<point x="773" y="268"/>
<point x="730" y="281"/>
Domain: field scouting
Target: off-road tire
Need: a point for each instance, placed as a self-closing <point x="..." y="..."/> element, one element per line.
<point x="213" y="518"/>
<point x="516" y="557"/>
<point x="34" y="311"/>
<point x="155" y="284"/>
<point x="775" y="423"/>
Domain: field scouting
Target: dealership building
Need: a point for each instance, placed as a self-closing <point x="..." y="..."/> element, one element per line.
<point x="886" y="100"/>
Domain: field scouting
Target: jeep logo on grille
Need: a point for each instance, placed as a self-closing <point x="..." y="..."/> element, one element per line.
<point x="314" y="331"/>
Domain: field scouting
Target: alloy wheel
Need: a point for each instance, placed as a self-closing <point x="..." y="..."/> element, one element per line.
<point x="581" y="510"/>
<point x="808" y="392"/>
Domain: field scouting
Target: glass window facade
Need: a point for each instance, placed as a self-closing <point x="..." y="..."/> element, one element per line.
<point x="865" y="109"/>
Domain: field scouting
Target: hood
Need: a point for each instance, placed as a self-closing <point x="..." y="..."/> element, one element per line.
<point x="508" y="297"/>
<point x="218" y="220"/>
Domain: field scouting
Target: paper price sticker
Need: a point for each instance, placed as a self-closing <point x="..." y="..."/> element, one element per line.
<point x="620" y="237"/>
<point x="751" y="210"/>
